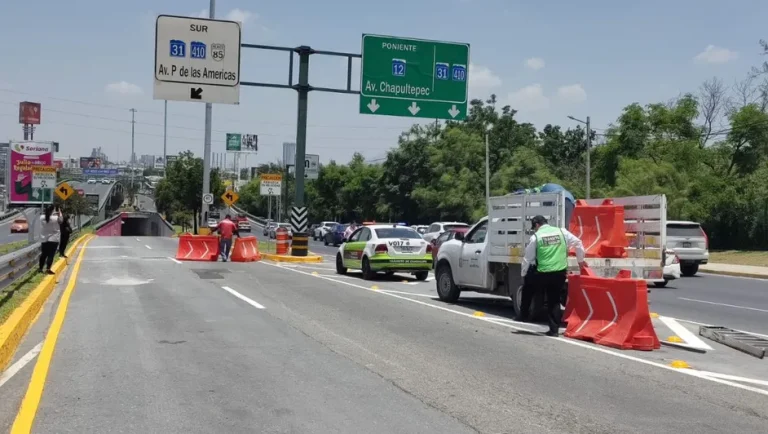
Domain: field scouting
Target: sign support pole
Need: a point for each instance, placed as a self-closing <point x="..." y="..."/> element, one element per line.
<point x="301" y="122"/>
<point x="207" y="145"/>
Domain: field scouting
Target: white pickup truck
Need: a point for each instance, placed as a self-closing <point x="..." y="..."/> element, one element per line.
<point x="487" y="258"/>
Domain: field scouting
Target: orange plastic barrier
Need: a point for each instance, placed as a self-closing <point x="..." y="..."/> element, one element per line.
<point x="281" y="234"/>
<point x="611" y="312"/>
<point x="245" y="249"/>
<point x="600" y="228"/>
<point x="198" y="248"/>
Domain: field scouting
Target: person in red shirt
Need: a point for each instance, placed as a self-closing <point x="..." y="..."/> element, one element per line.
<point x="226" y="228"/>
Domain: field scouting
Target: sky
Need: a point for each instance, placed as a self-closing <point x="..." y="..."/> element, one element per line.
<point x="88" y="62"/>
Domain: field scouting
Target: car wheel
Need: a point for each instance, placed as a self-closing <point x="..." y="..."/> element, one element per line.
<point x="340" y="269"/>
<point x="368" y="274"/>
<point x="325" y="241"/>
<point x="446" y="287"/>
<point x="689" y="270"/>
<point x="661" y="284"/>
<point x="421" y="275"/>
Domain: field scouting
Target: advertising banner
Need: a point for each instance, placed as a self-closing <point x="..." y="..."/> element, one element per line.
<point x="234" y="142"/>
<point x="23" y="157"/>
<point x="237" y="142"/>
<point x="100" y="172"/>
<point x="159" y="163"/>
<point x="171" y="159"/>
<point x="90" y="163"/>
<point x="29" y="113"/>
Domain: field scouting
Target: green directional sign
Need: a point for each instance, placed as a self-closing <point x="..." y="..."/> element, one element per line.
<point x="234" y="142"/>
<point x="414" y="78"/>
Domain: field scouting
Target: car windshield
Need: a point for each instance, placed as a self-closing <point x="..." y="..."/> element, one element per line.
<point x="330" y="224"/>
<point x="455" y="226"/>
<point x="20" y="221"/>
<point x="397" y="233"/>
<point x="684" y="230"/>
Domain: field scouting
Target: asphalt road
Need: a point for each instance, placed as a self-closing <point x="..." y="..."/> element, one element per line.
<point x="152" y="345"/>
<point x="146" y="203"/>
<point x="5" y="232"/>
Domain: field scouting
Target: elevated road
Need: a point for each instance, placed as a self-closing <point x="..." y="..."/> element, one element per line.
<point x="151" y="344"/>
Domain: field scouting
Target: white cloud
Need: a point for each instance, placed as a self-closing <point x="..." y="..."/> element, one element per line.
<point x="529" y="98"/>
<point x="124" y="88"/>
<point x="572" y="93"/>
<point x="535" y="63"/>
<point x="481" y="80"/>
<point x="714" y="54"/>
<point x="236" y="14"/>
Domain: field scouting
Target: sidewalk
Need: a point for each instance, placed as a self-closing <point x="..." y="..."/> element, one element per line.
<point x="735" y="270"/>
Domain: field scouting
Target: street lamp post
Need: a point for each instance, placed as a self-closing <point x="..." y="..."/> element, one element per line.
<point x="488" y="129"/>
<point x="589" y="149"/>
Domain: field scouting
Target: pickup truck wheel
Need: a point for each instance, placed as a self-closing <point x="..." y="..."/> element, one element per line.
<point x="340" y="269"/>
<point x="446" y="287"/>
<point x="368" y="274"/>
<point x="661" y="284"/>
<point x="689" y="270"/>
<point x="421" y="275"/>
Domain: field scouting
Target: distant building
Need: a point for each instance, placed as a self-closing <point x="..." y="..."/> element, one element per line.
<point x="3" y="161"/>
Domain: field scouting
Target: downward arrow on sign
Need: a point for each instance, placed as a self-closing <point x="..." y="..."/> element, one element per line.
<point x="414" y="108"/>
<point x="454" y="111"/>
<point x="373" y="106"/>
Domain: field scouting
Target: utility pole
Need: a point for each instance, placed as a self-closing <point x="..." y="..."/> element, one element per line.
<point x="165" y="137"/>
<point x="207" y="145"/>
<point x="487" y="167"/>
<point x="133" y="143"/>
<point x="589" y="163"/>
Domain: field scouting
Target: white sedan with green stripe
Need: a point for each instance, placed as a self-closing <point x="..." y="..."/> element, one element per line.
<point x="385" y="248"/>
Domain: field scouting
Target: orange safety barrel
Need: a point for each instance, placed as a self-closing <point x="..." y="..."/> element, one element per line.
<point x="281" y="234"/>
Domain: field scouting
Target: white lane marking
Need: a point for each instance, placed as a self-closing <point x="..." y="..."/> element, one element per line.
<point x="242" y="297"/>
<point x="615" y="313"/>
<point x="137" y="239"/>
<point x="704" y="324"/>
<point x="408" y="293"/>
<point x="174" y="260"/>
<point x="704" y="272"/>
<point x="684" y="334"/>
<point x="735" y="378"/>
<point x="691" y="372"/>
<point x="16" y="367"/>
<point x="147" y="246"/>
<point x="723" y="304"/>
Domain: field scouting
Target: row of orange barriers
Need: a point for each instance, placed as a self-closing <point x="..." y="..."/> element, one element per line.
<point x="207" y="248"/>
<point x="600" y="228"/>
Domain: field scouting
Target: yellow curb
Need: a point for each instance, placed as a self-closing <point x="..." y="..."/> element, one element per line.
<point x="654" y="315"/>
<point x="375" y="288"/>
<point x="287" y="258"/>
<point x="478" y="313"/>
<point x="680" y="364"/>
<point x="735" y="274"/>
<point x="13" y="330"/>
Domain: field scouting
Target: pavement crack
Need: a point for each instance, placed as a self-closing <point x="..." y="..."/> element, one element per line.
<point x="170" y="342"/>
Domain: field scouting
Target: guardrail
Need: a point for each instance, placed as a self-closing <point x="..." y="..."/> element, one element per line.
<point x="260" y="220"/>
<point x="9" y="214"/>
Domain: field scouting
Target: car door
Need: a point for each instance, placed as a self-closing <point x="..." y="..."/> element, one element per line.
<point x="472" y="260"/>
<point x="353" y="249"/>
<point x="437" y="242"/>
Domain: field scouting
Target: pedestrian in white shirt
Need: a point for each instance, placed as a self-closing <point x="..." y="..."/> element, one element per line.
<point x="548" y="249"/>
<point x="49" y="237"/>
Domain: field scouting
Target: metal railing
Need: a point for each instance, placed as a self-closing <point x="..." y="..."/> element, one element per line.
<point x="10" y="214"/>
<point x="258" y="220"/>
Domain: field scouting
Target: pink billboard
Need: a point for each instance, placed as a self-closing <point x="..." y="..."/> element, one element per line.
<point x="22" y="158"/>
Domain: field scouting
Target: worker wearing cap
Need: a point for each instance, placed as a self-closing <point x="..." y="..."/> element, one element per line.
<point x="548" y="250"/>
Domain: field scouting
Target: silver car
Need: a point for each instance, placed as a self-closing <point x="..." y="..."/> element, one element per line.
<point x="690" y="243"/>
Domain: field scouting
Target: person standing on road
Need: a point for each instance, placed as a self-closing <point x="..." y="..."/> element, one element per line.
<point x="49" y="237"/>
<point x="548" y="250"/>
<point x="66" y="230"/>
<point x="226" y="228"/>
<point x="351" y="228"/>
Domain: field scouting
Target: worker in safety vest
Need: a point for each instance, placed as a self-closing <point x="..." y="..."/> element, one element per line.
<point x="548" y="250"/>
<point x="226" y="228"/>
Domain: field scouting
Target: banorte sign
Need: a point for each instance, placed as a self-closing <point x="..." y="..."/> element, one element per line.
<point x="30" y="113"/>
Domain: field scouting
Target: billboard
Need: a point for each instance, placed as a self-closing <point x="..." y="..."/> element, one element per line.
<point x="159" y="163"/>
<point x="237" y="142"/>
<point x="100" y="172"/>
<point x="23" y="157"/>
<point x="29" y="113"/>
<point x="90" y="163"/>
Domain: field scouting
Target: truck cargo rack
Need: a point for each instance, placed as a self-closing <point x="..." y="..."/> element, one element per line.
<point x="745" y="342"/>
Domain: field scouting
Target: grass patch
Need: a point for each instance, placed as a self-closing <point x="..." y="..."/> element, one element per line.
<point x="12" y="247"/>
<point x="267" y="247"/>
<point x="739" y="257"/>
<point x="14" y="295"/>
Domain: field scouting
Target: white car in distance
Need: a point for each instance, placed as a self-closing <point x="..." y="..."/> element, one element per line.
<point x="437" y="228"/>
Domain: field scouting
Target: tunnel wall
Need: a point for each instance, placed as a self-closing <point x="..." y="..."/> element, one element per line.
<point x="111" y="228"/>
<point x="145" y="224"/>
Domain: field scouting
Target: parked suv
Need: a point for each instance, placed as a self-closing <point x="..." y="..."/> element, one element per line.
<point x="690" y="244"/>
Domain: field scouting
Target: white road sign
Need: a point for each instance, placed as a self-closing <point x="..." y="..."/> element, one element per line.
<point x="270" y="185"/>
<point x="44" y="178"/>
<point x="208" y="198"/>
<point x="311" y="166"/>
<point x="197" y="59"/>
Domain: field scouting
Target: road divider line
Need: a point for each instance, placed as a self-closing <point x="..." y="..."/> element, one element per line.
<point x="174" y="260"/>
<point x="723" y="304"/>
<point x="242" y="297"/>
<point x="691" y="372"/>
<point x="684" y="334"/>
<point x="25" y="418"/>
<point x="21" y="363"/>
<point x="409" y="293"/>
<point x="735" y="378"/>
<point x="147" y="246"/>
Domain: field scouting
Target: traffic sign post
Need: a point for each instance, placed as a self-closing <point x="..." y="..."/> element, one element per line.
<point x="44" y="177"/>
<point x="414" y="78"/>
<point x="312" y="166"/>
<point x="208" y="198"/>
<point x="197" y="60"/>
<point x="270" y="184"/>
<point x="64" y="191"/>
